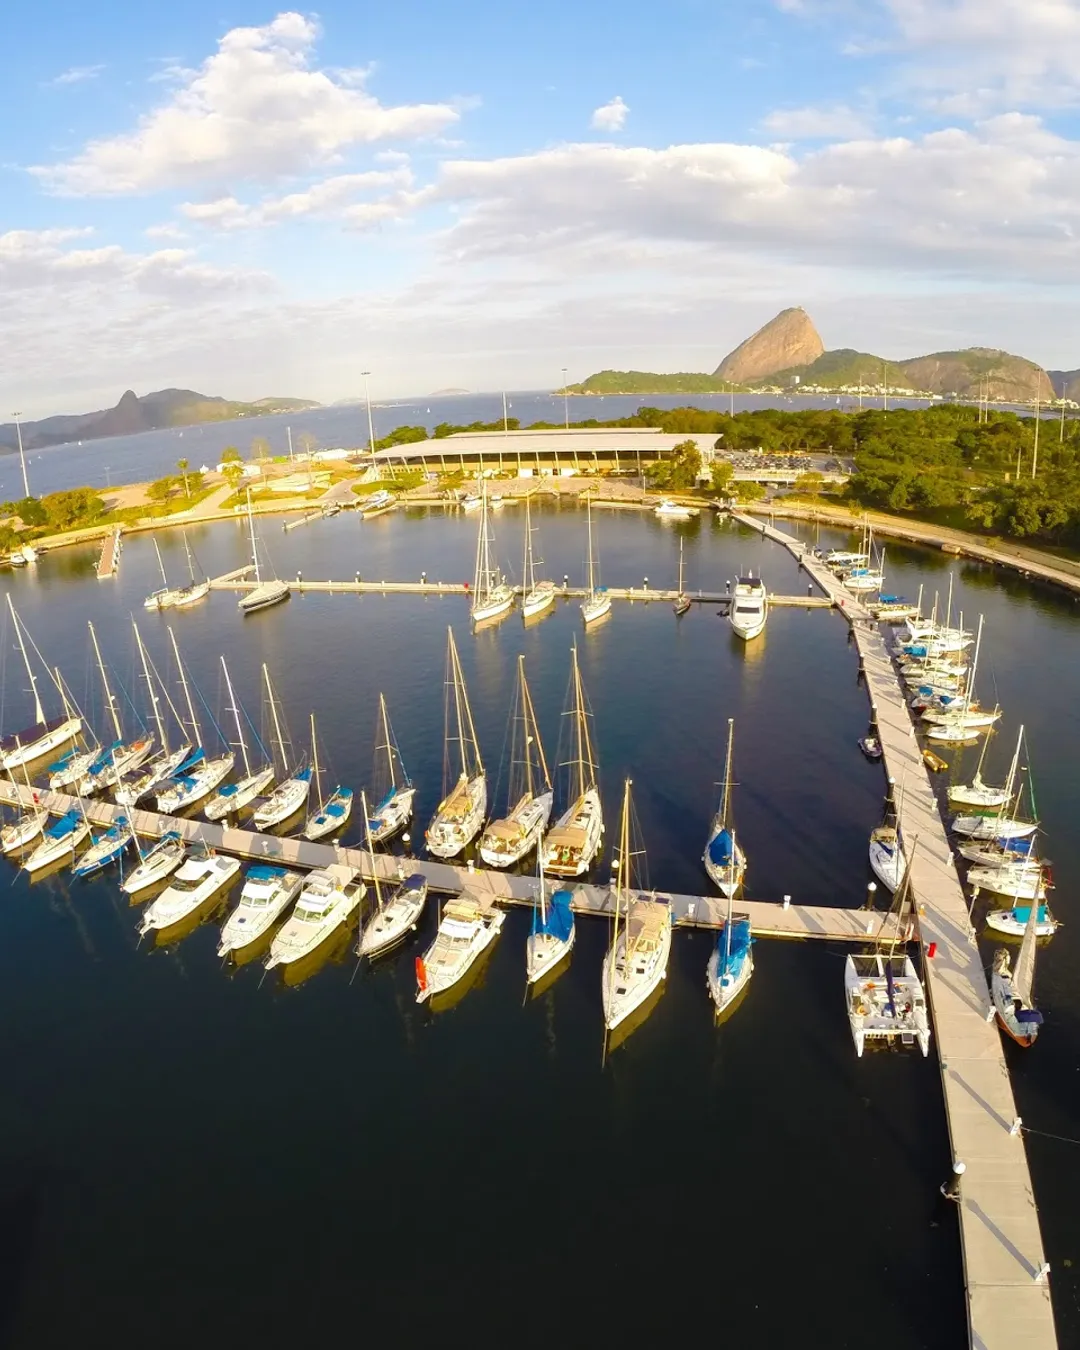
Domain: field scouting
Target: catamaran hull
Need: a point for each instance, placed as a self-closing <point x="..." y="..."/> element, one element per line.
<point x="26" y="753"/>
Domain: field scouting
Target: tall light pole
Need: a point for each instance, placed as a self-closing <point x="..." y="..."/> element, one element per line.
<point x="565" y="402"/>
<point x="370" y="424"/>
<point x="1035" y="449"/>
<point x="22" y="457"/>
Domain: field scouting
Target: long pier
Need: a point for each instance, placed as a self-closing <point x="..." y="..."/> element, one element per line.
<point x="109" y="559"/>
<point x="1008" y="1294"/>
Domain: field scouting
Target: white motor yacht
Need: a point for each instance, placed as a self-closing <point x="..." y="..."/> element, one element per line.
<point x="466" y="929"/>
<point x="199" y="879"/>
<point x="674" y="511"/>
<point x="266" y="893"/>
<point x="328" y="900"/>
<point x="749" y="608"/>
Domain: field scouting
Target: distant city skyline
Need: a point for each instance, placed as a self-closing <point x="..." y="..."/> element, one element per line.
<point x="480" y="195"/>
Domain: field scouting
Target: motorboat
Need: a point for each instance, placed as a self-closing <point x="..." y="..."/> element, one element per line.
<point x="158" y="862"/>
<point x="466" y="929"/>
<point x="328" y="900"/>
<point x="201" y="877"/>
<point x="871" y="748"/>
<point x="265" y="895"/>
<point x="669" y="510"/>
<point x="59" y="840"/>
<point x="749" y="608"/>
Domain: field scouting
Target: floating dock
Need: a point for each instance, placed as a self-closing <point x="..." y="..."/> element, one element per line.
<point x="109" y="561"/>
<point x="1008" y="1293"/>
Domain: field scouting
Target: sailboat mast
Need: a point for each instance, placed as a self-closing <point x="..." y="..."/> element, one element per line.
<point x="725" y="803"/>
<point x="236" y="714"/>
<point x="974" y="665"/>
<point x="274" y="716"/>
<point x="254" y="546"/>
<point x="580" y="729"/>
<point x="528" y="574"/>
<point x="161" y="565"/>
<point x="621" y="880"/>
<point x="186" y="688"/>
<point x="190" y="559"/>
<point x="532" y="733"/>
<point x="680" y="563"/>
<point x="39" y="712"/>
<point x="588" y="518"/>
<point x="386" y="737"/>
<point x="155" y="702"/>
<point x="473" y="765"/>
<point x="109" y="699"/>
<point x="315" y="763"/>
<point x="371" y="849"/>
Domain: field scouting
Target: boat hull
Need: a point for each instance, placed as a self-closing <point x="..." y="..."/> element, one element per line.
<point x="446" y="837"/>
<point x="393" y="815"/>
<point x="289" y="798"/>
<point x="538" y="599"/>
<point x="158" y="864"/>
<point x="173" y="906"/>
<point x="248" y="922"/>
<point x="532" y="820"/>
<point x="595" y="608"/>
<point x="197" y="787"/>
<point x="622" y="996"/>
<point x="22" y="831"/>
<point x="228" y="803"/>
<point x="50" y="851"/>
<point x="1001" y="989"/>
<point x="393" y="922"/>
<point x="27" y="752"/>
<point x="574" y="860"/>
<point x="440" y="978"/>
<point x="263" y="596"/>
<point x="328" y="820"/>
<point x="544" y="952"/>
<point x="726" y="986"/>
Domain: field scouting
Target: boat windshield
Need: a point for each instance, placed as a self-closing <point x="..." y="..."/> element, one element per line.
<point x="187" y="883"/>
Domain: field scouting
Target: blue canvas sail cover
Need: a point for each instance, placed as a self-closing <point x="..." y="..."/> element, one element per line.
<point x="67" y="822"/>
<point x="891" y="600"/>
<point x="559" y="920"/>
<point x="1017" y="845"/>
<point x="731" y="959"/>
<point x="262" y="872"/>
<point x="721" y="849"/>
<point x="196" y="757"/>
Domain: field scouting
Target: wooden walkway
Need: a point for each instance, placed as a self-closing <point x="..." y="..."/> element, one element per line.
<point x="109" y="560"/>
<point x="834" y="924"/>
<point x="1009" y="1306"/>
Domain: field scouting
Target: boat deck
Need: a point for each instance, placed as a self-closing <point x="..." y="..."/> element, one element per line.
<point x="1009" y="1306"/>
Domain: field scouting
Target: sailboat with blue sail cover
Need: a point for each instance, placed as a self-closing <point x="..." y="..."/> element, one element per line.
<point x="724" y="860"/>
<point x="553" y="932"/>
<point x="394" y="791"/>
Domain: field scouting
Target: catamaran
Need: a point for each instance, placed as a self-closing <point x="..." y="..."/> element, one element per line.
<point x="121" y="756"/>
<point x="492" y="598"/>
<point x="266" y="592"/>
<point x="158" y="862"/>
<point x="536" y="595"/>
<point x="466" y="929"/>
<point x="724" y="860"/>
<point x="328" y="900"/>
<point x="884" y="996"/>
<point x="233" y="797"/>
<point x="529" y="797"/>
<point x="265" y="895"/>
<point x="201" y="877"/>
<point x="60" y="840"/>
<point x="394" y="791"/>
<point x="749" y="607"/>
<point x="553" y="931"/>
<point x="461" y="812"/>
<point x="292" y="793"/>
<point x="597" y="603"/>
<point x="1014" y="991"/>
<point x="396" y="914"/>
<point x="332" y="813"/>
<point x="197" y="776"/>
<point x="636" y="961"/>
<point x="44" y="735"/>
<point x="681" y="603"/>
<point x="573" y="841"/>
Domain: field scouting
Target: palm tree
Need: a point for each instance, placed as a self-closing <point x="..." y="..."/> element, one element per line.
<point x="182" y="465"/>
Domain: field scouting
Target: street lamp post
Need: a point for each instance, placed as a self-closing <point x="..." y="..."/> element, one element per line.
<point x="370" y="424"/>
<point x="565" y="402"/>
<point x="22" y="456"/>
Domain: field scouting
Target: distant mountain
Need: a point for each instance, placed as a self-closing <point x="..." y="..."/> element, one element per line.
<point x="152" y="412"/>
<point x="1066" y="383"/>
<point x="786" y="342"/>
<point x="445" y="393"/>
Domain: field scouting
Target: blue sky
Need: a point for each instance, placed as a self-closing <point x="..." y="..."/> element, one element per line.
<point x="265" y="200"/>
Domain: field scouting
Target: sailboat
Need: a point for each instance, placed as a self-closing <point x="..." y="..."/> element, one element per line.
<point x="464" y="805"/>
<point x="597" y="603"/>
<point x="1005" y="824"/>
<point x="121" y="756"/>
<point x="529" y="796"/>
<point x="724" y="860"/>
<point x="536" y="595"/>
<point x="883" y="993"/>
<point x="553" y="931"/>
<point x="75" y="763"/>
<point x="197" y="588"/>
<point x="106" y="848"/>
<point x="681" y="603"/>
<point x="636" y="961"/>
<point x="964" y="722"/>
<point x="154" y="773"/>
<point x="197" y="776"/>
<point x="978" y="794"/>
<point x="397" y="914"/>
<point x="292" y="793"/>
<point x="467" y="928"/>
<point x="60" y="840"/>
<point x="574" y="840"/>
<point x="43" y="736"/>
<point x="158" y="862"/>
<point x="162" y="597"/>
<point x="233" y="797"/>
<point x="266" y="894"/>
<point x="394" y="791"/>
<point x="491" y="596"/>
<point x="266" y="592"/>
<point x="331" y="814"/>
<point x="887" y="855"/>
<point x="27" y="825"/>
<point x="1013" y="991"/>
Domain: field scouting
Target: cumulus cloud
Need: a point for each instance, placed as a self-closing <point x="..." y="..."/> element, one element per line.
<point x="332" y="198"/>
<point x="77" y="75"/>
<point x="610" y="116"/>
<point x="257" y="110"/>
<point x="811" y="124"/>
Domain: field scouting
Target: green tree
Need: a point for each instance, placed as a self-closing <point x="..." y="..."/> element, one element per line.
<point x="76" y="506"/>
<point x="161" y="489"/>
<point x="749" y="491"/>
<point x="684" y="465"/>
<point x="31" y="512"/>
<point x="811" y="482"/>
<point x="232" y="472"/>
<point x="230" y="455"/>
<point x="722" y="473"/>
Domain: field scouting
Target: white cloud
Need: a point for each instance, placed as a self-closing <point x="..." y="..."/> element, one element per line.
<point x="167" y="230"/>
<point x="808" y="124"/>
<point x="333" y="198"/>
<point x="254" y="111"/>
<point x="77" y="75"/>
<point x="610" y="116"/>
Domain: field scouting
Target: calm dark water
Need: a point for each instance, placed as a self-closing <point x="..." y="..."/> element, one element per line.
<point x="190" y="1155"/>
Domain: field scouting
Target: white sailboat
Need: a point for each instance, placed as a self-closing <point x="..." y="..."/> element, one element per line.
<point x="198" y="776"/>
<point x="492" y="598"/>
<point x="328" y="900"/>
<point x="265" y="895"/>
<point x="965" y="721"/>
<point x="60" y="840"/>
<point x="332" y="813"/>
<point x="44" y="735"/>
<point x="196" y="589"/>
<point x="1018" y="880"/>
<point x="1005" y="824"/>
<point x="461" y="812"/>
<point x="681" y="603"/>
<point x="200" y="878"/>
<point x="536" y="595"/>
<point x="75" y="763"/>
<point x="158" y="862"/>
<point x="724" y="860"/>
<point x="597" y="603"/>
<point x="573" y="842"/>
<point x="121" y="756"/>
<point x="1015" y="921"/>
<point x="529" y="797"/>
<point x="1013" y="992"/>
<point x="395" y="915"/>
<point x="233" y="797"/>
<point x="731" y="962"/>
<point x="26" y="826"/>
<point x="161" y="598"/>
<point x="269" y="591"/>
<point x="153" y="773"/>
<point x="553" y="930"/>
<point x="292" y="793"/>
<point x="636" y="961"/>
<point x="749" y="607"/>
<point x="106" y="848"/>
<point x="394" y="792"/>
<point x="887" y="858"/>
<point x="466" y="929"/>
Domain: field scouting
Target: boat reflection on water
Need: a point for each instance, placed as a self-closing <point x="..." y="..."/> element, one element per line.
<point x="474" y="978"/>
<point x="49" y="873"/>
<point x="630" y="1024"/>
<point x="213" y="907"/>
<point x="333" y="950"/>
